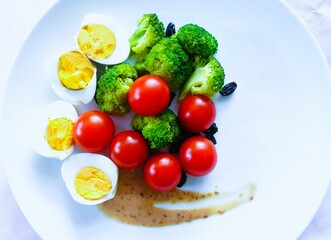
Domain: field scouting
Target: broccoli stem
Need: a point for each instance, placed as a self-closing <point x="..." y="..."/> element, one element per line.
<point x="194" y="81"/>
<point x="135" y="38"/>
<point x="140" y="68"/>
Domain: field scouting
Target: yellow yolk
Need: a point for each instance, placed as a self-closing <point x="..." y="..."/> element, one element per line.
<point x="75" y="70"/>
<point x="92" y="183"/>
<point x="96" y="41"/>
<point x="60" y="133"/>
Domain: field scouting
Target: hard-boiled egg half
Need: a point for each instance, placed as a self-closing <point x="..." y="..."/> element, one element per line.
<point x="72" y="76"/>
<point x="103" y="39"/>
<point x="90" y="178"/>
<point x="51" y="133"/>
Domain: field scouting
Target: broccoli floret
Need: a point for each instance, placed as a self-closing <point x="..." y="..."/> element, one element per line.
<point x="159" y="131"/>
<point x="150" y="31"/>
<point x="207" y="79"/>
<point x="168" y="60"/>
<point x="197" y="41"/>
<point x="139" y="64"/>
<point x="140" y="67"/>
<point x="113" y="87"/>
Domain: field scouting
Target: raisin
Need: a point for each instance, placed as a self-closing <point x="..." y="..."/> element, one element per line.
<point x="228" y="89"/>
<point x="209" y="133"/>
<point x="212" y="138"/>
<point x="212" y="129"/>
<point x="182" y="180"/>
<point x="170" y="30"/>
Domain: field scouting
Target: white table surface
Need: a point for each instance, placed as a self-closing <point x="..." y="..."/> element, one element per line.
<point x="17" y="19"/>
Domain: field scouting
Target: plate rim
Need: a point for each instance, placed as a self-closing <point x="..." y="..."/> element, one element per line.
<point x="56" y="5"/>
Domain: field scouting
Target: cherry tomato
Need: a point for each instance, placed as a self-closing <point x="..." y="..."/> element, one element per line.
<point x="162" y="172"/>
<point x="93" y="131"/>
<point x="128" y="149"/>
<point x="149" y="95"/>
<point x="197" y="113"/>
<point x="198" y="156"/>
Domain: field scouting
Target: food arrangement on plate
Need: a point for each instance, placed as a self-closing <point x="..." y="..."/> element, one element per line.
<point x="164" y="82"/>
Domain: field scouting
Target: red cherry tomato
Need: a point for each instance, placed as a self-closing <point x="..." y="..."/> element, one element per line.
<point x="198" y="156"/>
<point x="162" y="172"/>
<point x="197" y="113"/>
<point x="128" y="149"/>
<point x="149" y="95"/>
<point x="93" y="131"/>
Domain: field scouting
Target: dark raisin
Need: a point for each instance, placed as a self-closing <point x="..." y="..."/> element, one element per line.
<point x="228" y="89"/>
<point x="182" y="180"/>
<point x="212" y="129"/>
<point x="172" y="96"/>
<point x="186" y="134"/>
<point x="170" y="30"/>
<point x="209" y="133"/>
<point x="212" y="138"/>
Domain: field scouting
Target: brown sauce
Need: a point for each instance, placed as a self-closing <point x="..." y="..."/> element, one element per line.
<point x="134" y="203"/>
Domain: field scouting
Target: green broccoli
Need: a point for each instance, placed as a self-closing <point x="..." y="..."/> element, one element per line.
<point x="112" y="89"/>
<point x="141" y="67"/>
<point x="207" y="78"/>
<point x="196" y="40"/>
<point x="168" y="60"/>
<point x="150" y="31"/>
<point x="159" y="131"/>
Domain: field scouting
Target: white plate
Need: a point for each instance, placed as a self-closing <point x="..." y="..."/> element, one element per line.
<point x="274" y="131"/>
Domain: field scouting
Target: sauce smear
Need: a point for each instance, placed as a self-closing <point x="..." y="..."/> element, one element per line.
<point x="135" y="202"/>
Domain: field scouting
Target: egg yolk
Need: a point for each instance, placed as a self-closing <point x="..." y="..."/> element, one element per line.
<point x="75" y="71"/>
<point x="60" y="133"/>
<point x="92" y="184"/>
<point x="96" y="41"/>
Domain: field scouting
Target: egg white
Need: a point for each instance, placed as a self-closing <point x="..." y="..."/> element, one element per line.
<point x="77" y="162"/>
<point x="38" y="129"/>
<point x="122" y="48"/>
<point x="75" y="97"/>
